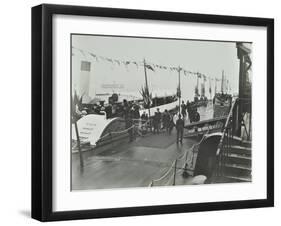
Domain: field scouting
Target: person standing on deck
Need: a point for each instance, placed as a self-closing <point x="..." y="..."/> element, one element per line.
<point x="171" y="123"/>
<point x="136" y="108"/>
<point x="183" y="109"/>
<point x="125" y="109"/>
<point x="179" y="127"/>
<point x="166" y="120"/>
<point x="157" y="121"/>
<point x="143" y="118"/>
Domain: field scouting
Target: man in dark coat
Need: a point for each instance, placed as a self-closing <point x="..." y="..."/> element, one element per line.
<point x="183" y="109"/>
<point x="126" y="109"/>
<point x="171" y="124"/>
<point x="136" y="111"/>
<point x="180" y="128"/>
<point x="143" y="118"/>
<point x="157" y="121"/>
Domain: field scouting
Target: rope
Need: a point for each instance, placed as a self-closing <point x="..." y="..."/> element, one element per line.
<point x="178" y="159"/>
<point x="164" y="175"/>
<point x="117" y="132"/>
<point x="123" y="131"/>
<point x="193" y="146"/>
<point x="140" y="121"/>
<point x="192" y="150"/>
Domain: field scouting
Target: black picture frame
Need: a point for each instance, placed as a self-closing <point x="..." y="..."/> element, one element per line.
<point x="42" y="107"/>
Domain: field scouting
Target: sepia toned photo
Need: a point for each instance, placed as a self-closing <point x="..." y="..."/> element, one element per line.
<point x="149" y="112"/>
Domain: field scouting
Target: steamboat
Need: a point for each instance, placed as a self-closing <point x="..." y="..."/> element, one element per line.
<point x="222" y="101"/>
<point x="200" y="100"/>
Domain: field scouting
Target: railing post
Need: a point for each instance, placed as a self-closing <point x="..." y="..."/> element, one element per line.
<point x="175" y="172"/>
<point x="185" y="173"/>
<point x="217" y="165"/>
<point x="220" y="161"/>
<point x="227" y="141"/>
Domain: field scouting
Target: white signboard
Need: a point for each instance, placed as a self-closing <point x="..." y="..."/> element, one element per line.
<point x="90" y="128"/>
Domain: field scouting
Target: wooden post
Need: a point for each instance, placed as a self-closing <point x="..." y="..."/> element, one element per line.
<point x="79" y="145"/>
<point x="77" y="137"/>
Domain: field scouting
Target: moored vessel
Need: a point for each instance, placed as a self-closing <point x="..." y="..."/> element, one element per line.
<point x="222" y="101"/>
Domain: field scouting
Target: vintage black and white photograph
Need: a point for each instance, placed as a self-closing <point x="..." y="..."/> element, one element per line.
<point x="149" y="112"/>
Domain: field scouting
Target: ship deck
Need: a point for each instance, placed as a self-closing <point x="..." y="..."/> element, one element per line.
<point x="133" y="164"/>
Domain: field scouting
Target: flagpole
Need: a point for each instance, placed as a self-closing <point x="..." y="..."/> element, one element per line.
<point x="146" y="84"/>
<point x="179" y="69"/>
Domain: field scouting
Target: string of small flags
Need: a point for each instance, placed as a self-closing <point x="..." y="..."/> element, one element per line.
<point x="148" y="65"/>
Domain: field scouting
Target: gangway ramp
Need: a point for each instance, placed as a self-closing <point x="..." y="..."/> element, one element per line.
<point x="201" y="127"/>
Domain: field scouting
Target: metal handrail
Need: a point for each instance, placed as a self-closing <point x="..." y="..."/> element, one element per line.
<point x="226" y="138"/>
<point x="226" y="126"/>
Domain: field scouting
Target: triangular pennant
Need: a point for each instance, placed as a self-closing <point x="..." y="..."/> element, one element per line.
<point x="149" y="67"/>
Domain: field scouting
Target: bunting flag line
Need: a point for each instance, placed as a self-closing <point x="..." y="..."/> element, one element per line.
<point x="150" y="66"/>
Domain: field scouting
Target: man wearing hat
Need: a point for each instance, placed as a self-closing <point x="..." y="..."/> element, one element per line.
<point x="157" y="118"/>
<point x="179" y="127"/>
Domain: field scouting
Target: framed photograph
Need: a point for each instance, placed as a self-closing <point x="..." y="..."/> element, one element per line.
<point x="145" y="112"/>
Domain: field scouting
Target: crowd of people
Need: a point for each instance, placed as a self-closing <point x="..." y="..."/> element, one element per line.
<point x="160" y="121"/>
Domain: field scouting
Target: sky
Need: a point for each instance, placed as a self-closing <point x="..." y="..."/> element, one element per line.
<point x="207" y="57"/>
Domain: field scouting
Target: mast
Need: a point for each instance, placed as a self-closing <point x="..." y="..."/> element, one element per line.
<point x="227" y="84"/>
<point x="215" y="86"/>
<point x="210" y="88"/>
<point x="222" y="81"/>
<point x="196" y="88"/>
<point x="179" y="91"/>
<point x="146" y="84"/>
<point x="203" y="88"/>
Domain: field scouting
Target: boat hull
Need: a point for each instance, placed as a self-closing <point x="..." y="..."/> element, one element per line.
<point x="221" y="106"/>
<point x="162" y="108"/>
